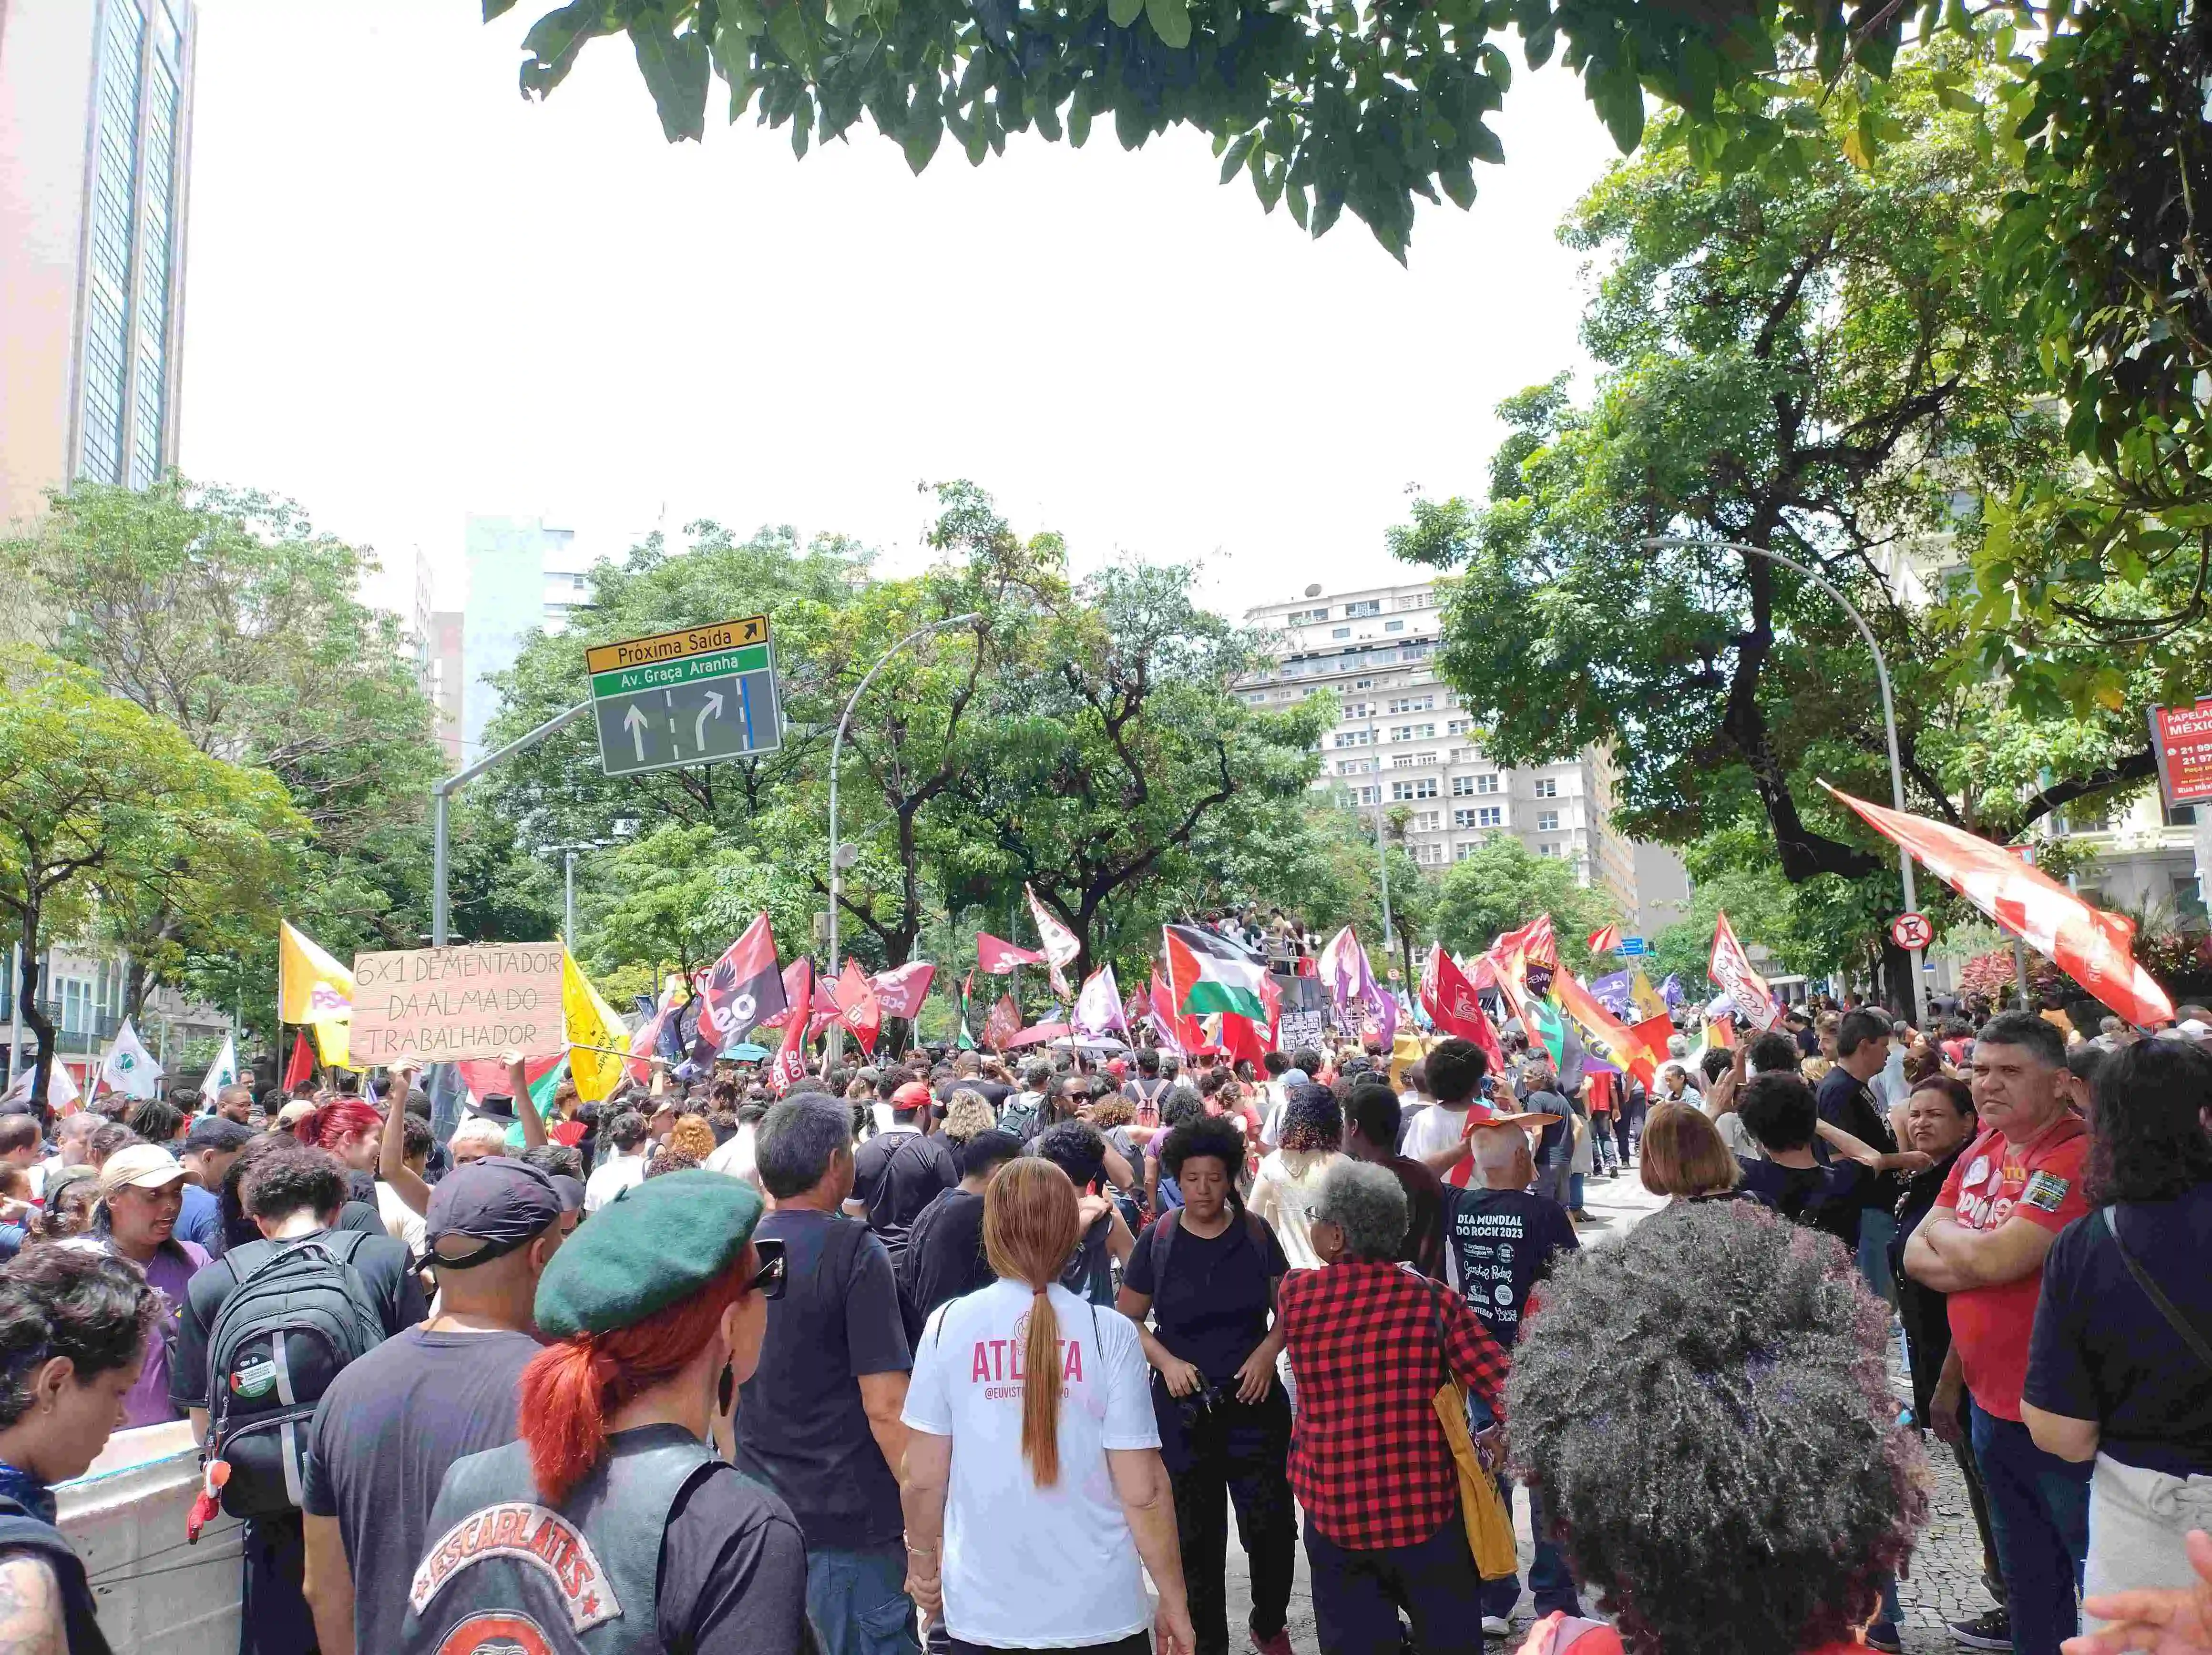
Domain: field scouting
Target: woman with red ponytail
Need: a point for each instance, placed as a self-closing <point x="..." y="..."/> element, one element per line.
<point x="613" y="1526"/>
<point x="353" y="1131"/>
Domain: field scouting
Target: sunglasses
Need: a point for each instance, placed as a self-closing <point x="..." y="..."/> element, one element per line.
<point x="775" y="1269"/>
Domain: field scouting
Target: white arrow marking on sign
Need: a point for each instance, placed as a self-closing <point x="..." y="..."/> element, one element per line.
<point x="634" y="721"/>
<point x="712" y="710"/>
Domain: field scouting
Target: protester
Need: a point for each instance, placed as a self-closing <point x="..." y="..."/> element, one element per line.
<point x="211" y="1145"/>
<point x="658" y="1307"/>
<point x="1370" y="1342"/>
<point x="1435" y="1135"/>
<point x="349" y="1130"/>
<point x="1781" y="1115"/>
<point x="72" y="1198"/>
<point x="820" y="1423"/>
<point x="1984" y="1243"/>
<point x="901" y="1170"/>
<point x="945" y="1254"/>
<point x="1372" y="1122"/>
<point x="294" y="1195"/>
<point x="1743" y="1488"/>
<point x="625" y="1168"/>
<point x="141" y="1193"/>
<point x="1029" y="1535"/>
<point x="967" y="1114"/>
<point x="1863" y="1039"/>
<point x="1208" y="1273"/>
<point x="1684" y="1158"/>
<point x="73" y="1328"/>
<point x="392" y="1421"/>
<point x="2120" y="1364"/>
<point x="1078" y="1150"/>
<point x="1310" y="1134"/>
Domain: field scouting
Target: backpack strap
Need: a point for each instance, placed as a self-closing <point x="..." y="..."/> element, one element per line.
<point x="2196" y="1341"/>
<point x="1161" y="1242"/>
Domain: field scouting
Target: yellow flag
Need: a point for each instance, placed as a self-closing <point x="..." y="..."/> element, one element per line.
<point x="310" y="986"/>
<point x="591" y="1022"/>
<point x="1647" y="997"/>
<point x="334" y="1040"/>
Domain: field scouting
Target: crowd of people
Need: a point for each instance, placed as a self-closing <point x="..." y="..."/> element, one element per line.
<point x="703" y="1367"/>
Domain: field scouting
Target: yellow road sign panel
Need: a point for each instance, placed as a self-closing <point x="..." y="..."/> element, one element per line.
<point x="675" y="646"/>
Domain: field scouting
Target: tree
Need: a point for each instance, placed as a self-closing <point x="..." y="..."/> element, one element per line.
<point x="224" y="612"/>
<point x="101" y="802"/>
<point x="1811" y="369"/>
<point x="1501" y="885"/>
<point x="673" y="899"/>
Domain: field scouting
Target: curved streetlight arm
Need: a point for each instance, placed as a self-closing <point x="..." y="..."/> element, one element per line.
<point x="836" y="752"/>
<point x="1681" y="543"/>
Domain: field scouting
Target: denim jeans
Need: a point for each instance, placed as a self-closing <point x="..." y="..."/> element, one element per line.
<point x="858" y="1602"/>
<point x="2039" y="1518"/>
<point x="1549" y="1579"/>
<point x="1877" y="1229"/>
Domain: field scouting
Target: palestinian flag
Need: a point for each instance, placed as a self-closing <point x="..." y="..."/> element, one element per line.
<point x="963" y="1038"/>
<point x="1207" y="972"/>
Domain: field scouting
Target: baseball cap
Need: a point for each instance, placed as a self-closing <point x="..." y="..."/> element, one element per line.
<point x="216" y="1132"/>
<point x="147" y="1165"/>
<point x="295" y="1111"/>
<point x="497" y="1203"/>
<point x="570" y="1190"/>
<point x="912" y="1095"/>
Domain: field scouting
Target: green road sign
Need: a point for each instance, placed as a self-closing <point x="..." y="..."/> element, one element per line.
<point x="698" y="696"/>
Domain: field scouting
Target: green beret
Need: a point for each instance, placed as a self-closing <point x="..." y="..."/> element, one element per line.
<point x="654" y="1244"/>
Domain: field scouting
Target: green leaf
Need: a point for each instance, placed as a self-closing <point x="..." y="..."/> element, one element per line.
<point x="1483" y="143"/>
<point x="788" y="27"/>
<point x="1078" y="122"/>
<point x="675" y="70"/>
<point x="1171" y="21"/>
<point x="1239" y="150"/>
<point x="1122" y="13"/>
<point x="1295" y="196"/>
<point x="497" y="9"/>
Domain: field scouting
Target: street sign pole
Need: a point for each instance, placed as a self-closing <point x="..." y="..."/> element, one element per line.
<point x="440" y="861"/>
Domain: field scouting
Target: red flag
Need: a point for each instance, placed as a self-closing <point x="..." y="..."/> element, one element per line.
<point x="301" y="1068"/>
<point x="2096" y="948"/>
<point x="1655" y="1033"/>
<point x="790" y="1065"/>
<point x="1606" y="939"/>
<point x="1747" y="989"/>
<point x="902" y="991"/>
<point x="1240" y="1037"/>
<point x="1721" y="1032"/>
<point x="1450" y="1000"/>
<point x="1003" y="1024"/>
<point x="1605" y="1037"/>
<point x="739" y="993"/>
<point x="1271" y="997"/>
<point x="857" y="1007"/>
<point x="1538" y="945"/>
<point x="996" y="956"/>
<point x="1184" y="1033"/>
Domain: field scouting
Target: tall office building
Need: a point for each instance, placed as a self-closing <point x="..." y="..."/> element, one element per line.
<point x="524" y="576"/>
<point x="1402" y="739"/>
<point x="95" y="136"/>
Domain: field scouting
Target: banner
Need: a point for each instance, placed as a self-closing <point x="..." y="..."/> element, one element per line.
<point x="901" y="990"/>
<point x="1301" y="1028"/>
<point x="1748" y="995"/>
<point x="128" y="1067"/>
<point x="447" y="1004"/>
<point x="1648" y="1001"/>
<point x="1003" y="1024"/>
<point x="310" y="984"/>
<point x="2096" y="949"/>
<point x="1606" y="939"/>
<point x="1350" y="980"/>
<point x="1604" y="1036"/>
<point x="222" y="1072"/>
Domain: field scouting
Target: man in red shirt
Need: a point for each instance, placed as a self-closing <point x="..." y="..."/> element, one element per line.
<point x="1984" y="1243"/>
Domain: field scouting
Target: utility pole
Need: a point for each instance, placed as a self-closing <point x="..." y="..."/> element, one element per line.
<point x="440" y="798"/>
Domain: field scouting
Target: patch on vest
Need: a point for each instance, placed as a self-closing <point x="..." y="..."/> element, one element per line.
<point x="497" y="1635"/>
<point x="2046" y="1191"/>
<point x="529" y="1534"/>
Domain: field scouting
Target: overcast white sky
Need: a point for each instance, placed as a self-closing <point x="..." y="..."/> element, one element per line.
<point x="412" y="296"/>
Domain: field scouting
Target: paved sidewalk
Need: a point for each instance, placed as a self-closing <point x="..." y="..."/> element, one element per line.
<point x="1945" y="1583"/>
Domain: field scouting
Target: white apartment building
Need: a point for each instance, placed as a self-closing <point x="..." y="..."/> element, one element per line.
<point x="1403" y="740"/>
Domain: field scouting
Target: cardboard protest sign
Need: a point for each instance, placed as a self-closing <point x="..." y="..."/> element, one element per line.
<point x="445" y="1005"/>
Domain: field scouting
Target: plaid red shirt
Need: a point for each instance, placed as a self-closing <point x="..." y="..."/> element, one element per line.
<point x="1369" y="1460"/>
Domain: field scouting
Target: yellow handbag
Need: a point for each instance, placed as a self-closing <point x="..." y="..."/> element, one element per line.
<point x="1489" y="1524"/>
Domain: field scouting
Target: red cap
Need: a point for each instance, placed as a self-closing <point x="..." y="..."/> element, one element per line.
<point x="912" y="1095"/>
<point x="1119" y="1069"/>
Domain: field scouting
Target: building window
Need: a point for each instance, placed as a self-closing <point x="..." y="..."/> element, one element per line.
<point x="1547" y="821"/>
<point x="1463" y="818"/>
<point x="1371" y="795"/>
<point x="1458" y="726"/>
<point x="1489" y="816"/>
<point x="1548" y="787"/>
<point x="1429" y="856"/>
<point x="1465" y="848"/>
<point x="1358" y="710"/>
<point x="1423" y="789"/>
<point x="1486" y="783"/>
<point x="155" y="255"/>
<point x="1340" y="632"/>
<point x="1306" y="617"/>
<point x="1369" y="606"/>
<point x="1355" y="737"/>
<point x="1393" y="626"/>
<point x="1362" y="683"/>
<point x="1462" y="786"/>
<point x="1547" y="849"/>
<point x="1413" y="704"/>
<point x="1427" y="822"/>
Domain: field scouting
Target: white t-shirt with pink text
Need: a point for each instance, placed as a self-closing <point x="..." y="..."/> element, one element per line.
<point x="1024" y="1566"/>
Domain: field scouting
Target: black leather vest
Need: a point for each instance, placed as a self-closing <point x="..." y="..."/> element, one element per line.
<point x="504" y="1573"/>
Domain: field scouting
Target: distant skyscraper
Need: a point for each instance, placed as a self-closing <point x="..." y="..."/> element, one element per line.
<point x="96" y="124"/>
<point x="524" y="577"/>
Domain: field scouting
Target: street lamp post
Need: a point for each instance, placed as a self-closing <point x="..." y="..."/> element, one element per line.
<point x="837" y="752"/>
<point x="1888" y="713"/>
<point x="1382" y="849"/>
<point x="441" y="796"/>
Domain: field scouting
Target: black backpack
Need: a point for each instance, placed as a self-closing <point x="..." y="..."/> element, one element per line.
<point x="299" y="1314"/>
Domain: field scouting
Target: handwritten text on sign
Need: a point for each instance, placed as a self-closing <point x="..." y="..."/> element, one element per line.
<point x="443" y="1005"/>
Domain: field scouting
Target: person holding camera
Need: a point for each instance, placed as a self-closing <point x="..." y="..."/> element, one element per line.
<point x="1208" y="1274"/>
